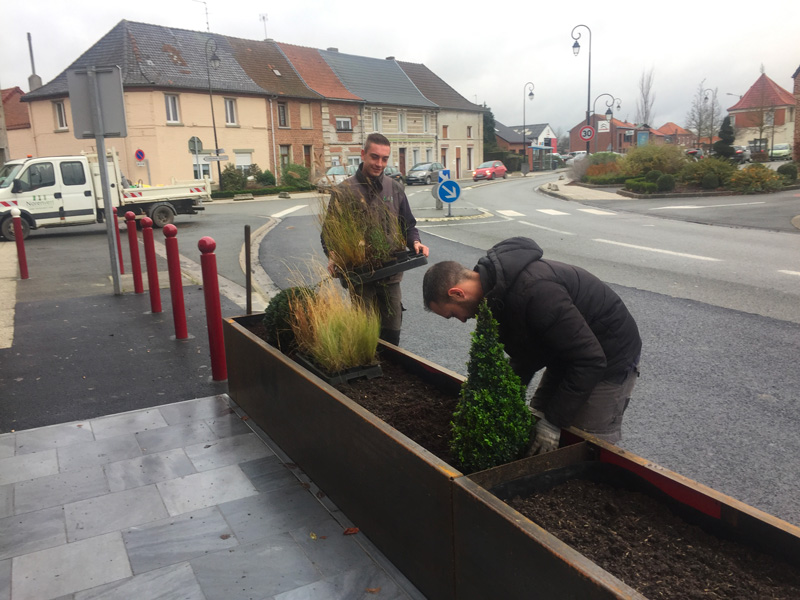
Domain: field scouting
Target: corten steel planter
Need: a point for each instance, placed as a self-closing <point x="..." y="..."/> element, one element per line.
<point x="499" y="553"/>
<point x="395" y="491"/>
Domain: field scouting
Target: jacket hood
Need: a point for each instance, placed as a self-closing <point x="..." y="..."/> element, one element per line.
<point x="503" y="263"/>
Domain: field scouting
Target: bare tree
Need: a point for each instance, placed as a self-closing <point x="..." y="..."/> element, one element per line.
<point x="694" y="119"/>
<point x="647" y="98"/>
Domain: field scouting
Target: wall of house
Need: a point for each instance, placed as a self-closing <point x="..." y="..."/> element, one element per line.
<point x="342" y="147"/>
<point x="461" y="150"/>
<point x="410" y="131"/>
<point x="749" y="125"/>
<point x="796" y="137"/>
<point x="304" y="129"/>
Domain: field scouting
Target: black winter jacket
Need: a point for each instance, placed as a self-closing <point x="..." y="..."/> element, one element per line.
<point x="557" y="316"/>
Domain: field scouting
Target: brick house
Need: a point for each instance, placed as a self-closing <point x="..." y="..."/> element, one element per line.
<point x="796" y="145"/>
<point x="15" y="125"/>
<point x="764" y="116"/>
<point x="540" y="137"/>
<point x="610" y="135"/>
<point x="675" y="134"/>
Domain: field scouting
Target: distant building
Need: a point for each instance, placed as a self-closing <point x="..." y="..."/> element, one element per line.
<point x="764" y="116"/>
<point x="540" y="137"/>
<point x="677" y="135"/>
<point x="609" y="136"/>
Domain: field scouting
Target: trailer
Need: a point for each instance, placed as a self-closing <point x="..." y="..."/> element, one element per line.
<point x="59" y="191"/>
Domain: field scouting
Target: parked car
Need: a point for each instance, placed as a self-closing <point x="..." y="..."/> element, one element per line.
<point x="574" y="153"/>
<point x="491" y="169"/>
<point x="424" y="173"/>
<point x="573" y="157"/>
<point x="395" y="174"/>
<point x="695" y="153"/>
<point x="781" y="152"/>
<point x="743" y="154"/>
<point x="334" y="176"/>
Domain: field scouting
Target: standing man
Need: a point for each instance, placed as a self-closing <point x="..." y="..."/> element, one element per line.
<point x="380" y="194"/>
<point x="554" y="316"/>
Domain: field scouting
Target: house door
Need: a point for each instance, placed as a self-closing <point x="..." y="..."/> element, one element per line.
<point x="458" y="162"/>
<point x="402" y="161"/>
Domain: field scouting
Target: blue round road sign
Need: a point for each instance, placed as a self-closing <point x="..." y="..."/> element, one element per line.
<point x="449" y="191"/>
<point x="139" y="155"/>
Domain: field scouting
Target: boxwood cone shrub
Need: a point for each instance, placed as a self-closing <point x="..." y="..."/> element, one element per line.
<point x="788" y="172"/>
<point x="652" y="176"/>
<point x="278" y="318"/>
<point x="491" y="424"/>
<point x="666" y="183"/>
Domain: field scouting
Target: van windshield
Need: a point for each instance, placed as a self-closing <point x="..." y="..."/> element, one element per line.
<point x="7" y="174"/>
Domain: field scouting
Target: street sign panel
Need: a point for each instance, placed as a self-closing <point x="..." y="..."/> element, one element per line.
<point x="444" y="175"/>
<point x="195" y="144"/>
<point x="587" y="133"/>
<point x="214" y="158"/>
<point x="449" y="191"/>
<point x="139" y="155"/>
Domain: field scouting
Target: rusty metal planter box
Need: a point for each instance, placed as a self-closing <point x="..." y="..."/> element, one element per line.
<point x="395" y="491"/>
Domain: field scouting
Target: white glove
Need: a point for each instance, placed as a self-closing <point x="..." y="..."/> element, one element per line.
<point x="545" y="437"/>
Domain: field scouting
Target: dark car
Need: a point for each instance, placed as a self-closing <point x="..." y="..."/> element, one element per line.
<point x="491" y="169"/>
<point x="395" y="174"/>
<point x="695" y="153"/>
<point x="424" y="173"/>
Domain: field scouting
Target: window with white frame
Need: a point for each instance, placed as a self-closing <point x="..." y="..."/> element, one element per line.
<point x="344" y="124"/>
<point x="173" y="115"/>
<point x="376" y="120"/>
<point x="427" y="155"/>
<point x="60" y="115"/>
<point x="202" y="170"/>
<point x="401" y="122"/>
<point x="415" y="154"/>
<point x="230" y="111"/>
<point x="283" y="115"/>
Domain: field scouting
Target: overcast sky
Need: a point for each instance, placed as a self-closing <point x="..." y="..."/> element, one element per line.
<point x="487" y="51"/>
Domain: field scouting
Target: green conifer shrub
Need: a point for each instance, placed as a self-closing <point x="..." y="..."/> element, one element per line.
<point x="278" y="318"/>
<point x="710" y="181"/>
<point x="491" y="424"/>
<point x="653" y="175"/>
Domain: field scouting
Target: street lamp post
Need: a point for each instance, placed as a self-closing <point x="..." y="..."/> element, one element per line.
<point x="609" y="115"/>
<point x="213" y="61"/>
<point x="576" y="48"/>
<point x="528" y="87"/>
<point x="710" y="114"/>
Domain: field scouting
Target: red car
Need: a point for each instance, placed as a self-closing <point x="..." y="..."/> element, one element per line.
<point x="490" y="170"/>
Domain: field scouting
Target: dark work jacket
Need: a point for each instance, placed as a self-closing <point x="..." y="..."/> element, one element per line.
<point x="387" y="191"/>
<point x="561" y="317"/>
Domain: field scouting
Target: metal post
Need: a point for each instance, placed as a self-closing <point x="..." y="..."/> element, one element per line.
<point x="133" y="242"/>
<point x="248" y="275"/>
<point x="175" y="282"/>
<point x="208" y="265"/>
<point x="152" y="265"/>
<point x="119" y="242"/>
<point x="524" y="143"/>
<point x="575" y="49"/>
<point x="215" y="60"/>
<point x="18" y="235"/>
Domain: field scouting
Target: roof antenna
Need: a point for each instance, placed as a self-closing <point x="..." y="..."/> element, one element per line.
<point x="34" y="81"/>
<point x="203" y="2"/>
<point x="264" y="19"/>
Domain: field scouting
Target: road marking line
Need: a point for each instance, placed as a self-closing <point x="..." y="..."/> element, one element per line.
<point x="693" y="206"/>
<point x="547" y="228"/>
<point x="784" y="271"/>
<point x="595" y="211"/>
<point x="550" y="211"/>
<point x="283" y="213"/>
<point x="510" y="213"/>
<point x="660" y="251"/>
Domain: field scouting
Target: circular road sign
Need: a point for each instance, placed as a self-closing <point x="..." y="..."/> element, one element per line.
<point x="140" y="155"/>
<point x="587" y="133"/>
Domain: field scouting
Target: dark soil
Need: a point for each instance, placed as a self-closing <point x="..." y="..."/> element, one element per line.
<point x="637" y="539"/>
<point x="629" y="534"/>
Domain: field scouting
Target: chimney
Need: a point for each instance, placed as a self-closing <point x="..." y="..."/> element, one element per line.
<point x="333" y="49"/>
<point x="390" y="58"/>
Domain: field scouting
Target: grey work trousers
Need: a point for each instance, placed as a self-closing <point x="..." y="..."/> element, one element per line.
<point x="385" y="297"/>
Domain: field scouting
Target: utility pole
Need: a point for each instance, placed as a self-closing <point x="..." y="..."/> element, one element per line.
<point x="264" y="19"/>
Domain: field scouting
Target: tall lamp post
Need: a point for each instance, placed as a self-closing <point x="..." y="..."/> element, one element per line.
<point x="576" y="48"/>
<point x="609" y="115"/>
<point x="710" y="113"/>
<point x="528" y="87"/>
<point x="213" y="61"/>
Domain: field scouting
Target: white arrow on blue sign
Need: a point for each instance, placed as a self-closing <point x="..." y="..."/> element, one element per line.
<point x="444" y="175"/>
<point x="449" y="191"/>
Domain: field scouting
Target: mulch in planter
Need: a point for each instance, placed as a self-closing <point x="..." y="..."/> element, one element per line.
<point x="634" y="537"/>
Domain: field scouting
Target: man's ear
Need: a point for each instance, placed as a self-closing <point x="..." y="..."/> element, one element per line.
<point x="456" y="293"/>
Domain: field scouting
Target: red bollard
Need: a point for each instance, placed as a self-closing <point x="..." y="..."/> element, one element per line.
<point x="175" y="282"/>
<point x="119" y="243"/>
<point x="208" y="264"/>
<point x="18" y="235"/>
<point x="152" y="265"/>
<point x="133" y="242"/>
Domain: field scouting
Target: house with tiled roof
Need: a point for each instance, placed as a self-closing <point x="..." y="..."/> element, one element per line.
<point x="675" y="134"/>
<point x="14" y="124"/>
<point x="540" y="138"/>
<point x="764" y="116"/>
<point x="612" y="135"/>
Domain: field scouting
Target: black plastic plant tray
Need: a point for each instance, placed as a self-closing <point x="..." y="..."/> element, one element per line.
<point x="368" y="371"/>
<point x="404" y="261"/>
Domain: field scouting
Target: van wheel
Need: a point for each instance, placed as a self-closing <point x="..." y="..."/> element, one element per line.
<point x="7" y="229"/>
<point x="162" y="215"/>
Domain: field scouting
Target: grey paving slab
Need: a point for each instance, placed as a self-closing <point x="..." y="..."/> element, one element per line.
<point x="30" y="532"/>
<point x="7" y="445"/>
<point x="228" y="425"/>
<point x="113" y="512"/>
<point x="366" y="583"/>
<point x="100" y="452"/>
<point x="200" y="409"/>
<point x="175" y="582"/>
<point x="147" y="469"/>
<point x="276" y="511"/>
<point x="268" y="473"/>
<point x="6" y="500"/>
<point x="265" y="568"/>
<point x="5" y="579"/>
<point x="132" y="422"/>
<point x="55" y="436"/>
<point x="202" y="490"/>
<point x="58" y="489"/>
<point x="226" y="451"/>
<point x="178" y="539"/>
<point x="175" y="436"/>
<point x="329" y="549"/>
<point x="69" y="568"/>
<point x="28" y="466"/>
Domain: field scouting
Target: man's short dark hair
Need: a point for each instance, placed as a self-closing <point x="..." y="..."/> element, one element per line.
<point x="439" y="279"/>
<point x="378" y="139"/>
